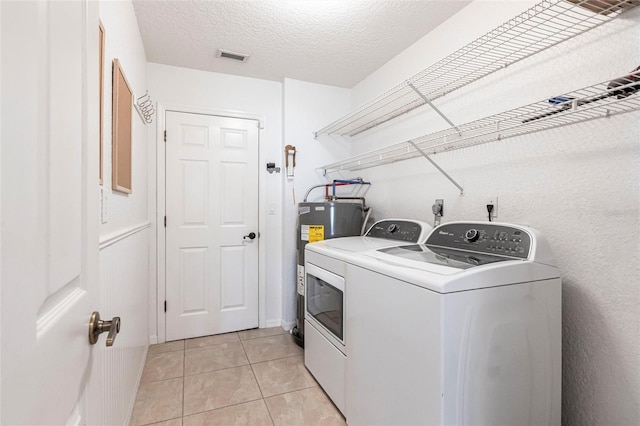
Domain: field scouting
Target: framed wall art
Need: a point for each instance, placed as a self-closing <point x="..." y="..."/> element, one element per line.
<point x="121" y="134"/>
<point x="101" y="92"/>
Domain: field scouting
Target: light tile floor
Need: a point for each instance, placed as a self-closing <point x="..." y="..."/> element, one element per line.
<point x="252" y="377"/>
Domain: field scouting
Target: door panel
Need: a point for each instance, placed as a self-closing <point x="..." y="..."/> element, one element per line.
<point x="211" y="204"/>
<point x="49" y="208"/>
<point x="195" y="192"/>
<point x="232" y="280"/>
<point x="194" y="279"/>
<point x="233" y="185"/>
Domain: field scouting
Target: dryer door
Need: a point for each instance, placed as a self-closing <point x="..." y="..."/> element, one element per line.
<point x="325" y="302"/>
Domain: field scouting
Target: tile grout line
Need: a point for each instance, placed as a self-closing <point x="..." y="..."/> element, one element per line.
<point x="269" y="411"/>
<point x="258" y="383"/>
<point x="221" y="408"/>
<point x="293" y="390"/>
<point x="159" y="381"/>
<point x="262" y="337"/>
<point x="276" y="359"/>
<point x="184" y="351"/>
<point x="161" y="421"/>
<point x="254" y="373"/>
<point x="146" y="374"/>
<point x="219" y="369"/>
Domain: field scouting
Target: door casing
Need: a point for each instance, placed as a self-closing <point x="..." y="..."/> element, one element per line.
<point x="160" y="258"/>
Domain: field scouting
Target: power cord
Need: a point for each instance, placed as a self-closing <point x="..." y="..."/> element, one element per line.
<point x="489" y="210"/>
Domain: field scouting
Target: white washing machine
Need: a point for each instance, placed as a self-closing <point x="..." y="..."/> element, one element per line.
<point x="325" y="296"/>
<point x="463" y="330"/>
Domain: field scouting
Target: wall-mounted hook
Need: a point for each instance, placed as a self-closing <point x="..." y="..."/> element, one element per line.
<point x="290" y="160"/>
<point x="145" y="108"/>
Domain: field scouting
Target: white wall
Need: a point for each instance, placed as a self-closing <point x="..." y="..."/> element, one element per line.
<point x="123" y="41"/>
<point x="578" y="185"/>
<point x="307" y="108"/>
<point x="226" y="93"/>
<point x="124" y="248"/>
<point x="123" y="276"/>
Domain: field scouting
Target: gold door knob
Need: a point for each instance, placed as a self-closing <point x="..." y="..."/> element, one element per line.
<point x="98" y="326"/>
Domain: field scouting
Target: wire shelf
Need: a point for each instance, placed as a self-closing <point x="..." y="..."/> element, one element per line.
<point x="546" y="24"/>
<point x="600" y="100"/>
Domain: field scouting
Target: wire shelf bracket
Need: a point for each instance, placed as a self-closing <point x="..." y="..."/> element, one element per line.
<point x="542" y="26"/>
<point x="436" y="109"/>
<point x="425" y="155"/>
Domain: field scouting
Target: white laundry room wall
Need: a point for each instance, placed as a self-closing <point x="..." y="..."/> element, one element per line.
<point x="217" y="93"/>
<point x="578" y="185"/>
<point x="124" y="233"/>
<point x="307" y="107"/>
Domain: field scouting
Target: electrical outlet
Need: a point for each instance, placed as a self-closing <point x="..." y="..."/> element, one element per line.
<point x="494" y="201"/>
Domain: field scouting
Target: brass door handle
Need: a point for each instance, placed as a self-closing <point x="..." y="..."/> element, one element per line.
<point x="98" y="326"/>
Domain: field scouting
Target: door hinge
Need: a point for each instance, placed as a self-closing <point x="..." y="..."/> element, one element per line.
<point x="165" y="135"/>
<point x="165" y="221"/>
<point x="165" y="306"/>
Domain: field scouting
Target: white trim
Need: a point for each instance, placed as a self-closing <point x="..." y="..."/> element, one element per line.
<point x="160" y="229"/>
<point x="1" y="258"/>
<point x="161" y="109"/>
<point x="58" y="305"/>
<point x="153" y="340"/>
<point x="111" y="239"/>
<point x="213" y="111"/>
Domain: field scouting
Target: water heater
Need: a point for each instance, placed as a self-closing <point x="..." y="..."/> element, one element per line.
<point x="319" y="221"/>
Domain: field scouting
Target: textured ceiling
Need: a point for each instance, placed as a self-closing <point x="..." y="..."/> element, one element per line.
<point x="323" y="41"/>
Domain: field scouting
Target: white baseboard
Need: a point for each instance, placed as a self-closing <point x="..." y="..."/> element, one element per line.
<point x="272" y="323"/>
<point x="153" y="340"/>
<point x="287" y="325"/>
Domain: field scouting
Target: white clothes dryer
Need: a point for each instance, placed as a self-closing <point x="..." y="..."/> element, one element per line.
<point x="325" y="297"/>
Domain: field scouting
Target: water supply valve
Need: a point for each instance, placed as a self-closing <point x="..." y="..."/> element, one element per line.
<point x="438" y="211"/>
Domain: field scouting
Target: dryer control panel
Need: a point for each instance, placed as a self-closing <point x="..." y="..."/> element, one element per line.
<point x="399" y="230"/>
<point x="482" y="238"/>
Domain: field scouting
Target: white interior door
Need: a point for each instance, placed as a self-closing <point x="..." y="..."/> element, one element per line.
<point x="211" y="209"/>
<point x="49" y="208"/>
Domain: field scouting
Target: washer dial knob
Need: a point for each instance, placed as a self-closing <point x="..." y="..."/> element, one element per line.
<point x="472" y="235"/>
<point x="392" y="228"/>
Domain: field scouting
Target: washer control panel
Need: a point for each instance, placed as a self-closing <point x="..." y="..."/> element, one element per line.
<point x="483" y="238"/>
<point x="399" y="230"/>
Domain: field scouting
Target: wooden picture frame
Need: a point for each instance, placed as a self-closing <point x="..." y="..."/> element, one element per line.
<point x="121" y="134"/>
<point x="101" y="93"/>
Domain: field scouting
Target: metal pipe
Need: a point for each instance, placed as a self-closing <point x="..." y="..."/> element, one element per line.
<point x="333" y="197"/>
<point x="357" y="181"/>
<point x="311" y="189"/>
